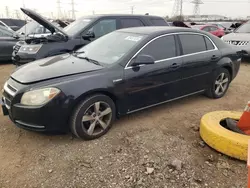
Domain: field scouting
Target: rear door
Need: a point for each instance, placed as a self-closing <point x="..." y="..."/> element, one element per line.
<point x="199" y="58"/>
<point x="151" y="84"/>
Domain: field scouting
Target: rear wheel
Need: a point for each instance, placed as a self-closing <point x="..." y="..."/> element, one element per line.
<point x="220" y="84"/>
<point x="93" y="117"/>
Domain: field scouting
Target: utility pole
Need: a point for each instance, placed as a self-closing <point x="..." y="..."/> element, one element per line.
<point x="132" y="9"/>
<point x="178" y="9"/>
<point x="59" y="9"/>
<point x="73" y="9"/>
<point x="197" y="4"/>
<point x="17" y="14"/>
<point x="7" y="12"/>
<point x="23" y="4"/>
<point x="93" y="12"/>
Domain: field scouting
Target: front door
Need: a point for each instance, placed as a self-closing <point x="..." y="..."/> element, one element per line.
<point x="151" y="84"/>
<point x="199" y="59"/>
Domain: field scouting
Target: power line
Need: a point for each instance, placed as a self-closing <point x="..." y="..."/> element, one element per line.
<point x="73" y="9"/>
<point x="59" y="9"/>
<point x="17" y="14"/>
<point x="196" y="3"/>
<point x="7" y="12"/>
<point x="177" y="8"/>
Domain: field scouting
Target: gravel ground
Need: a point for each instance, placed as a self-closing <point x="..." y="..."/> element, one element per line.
<point x="155" y="148"/>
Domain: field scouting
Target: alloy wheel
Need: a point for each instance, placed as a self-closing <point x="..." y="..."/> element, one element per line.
<point x="221" y="84"/>
<point x="97" y="118"/>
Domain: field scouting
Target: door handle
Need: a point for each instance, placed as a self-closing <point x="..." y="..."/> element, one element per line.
<point x="175" y="66"/>
<point x="214" y="57"/>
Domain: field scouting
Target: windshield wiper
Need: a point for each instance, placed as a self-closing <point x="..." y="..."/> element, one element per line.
<point x="90" y="60"/>
<point x="77" y="53"/>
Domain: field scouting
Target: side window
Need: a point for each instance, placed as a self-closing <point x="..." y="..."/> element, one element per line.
<point x="192" y="43"/>
<point x="207" y="29"/>
<point x="161" y="48"/>
<point x="4" y="33"/>
<point x="131" y="22"/>
<point x="103" y="27"/>
<point x="209" y="44"/>
<point x="213" y="28"/>
<point x="158" y="22"/>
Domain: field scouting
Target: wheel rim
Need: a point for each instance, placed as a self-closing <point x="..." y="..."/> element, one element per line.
<point x="221" y="84"/>
<point x="97" y="118"/>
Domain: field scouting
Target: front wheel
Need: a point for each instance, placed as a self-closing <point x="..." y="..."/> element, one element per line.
<point x="220" y="84"/>
<point x="93" y="117"/>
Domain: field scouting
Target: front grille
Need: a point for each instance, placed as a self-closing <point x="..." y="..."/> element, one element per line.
<point x="9" y="90"/>
<point x="12" y="88"/>
<point x="16" y="48"/>
<point x="8" y="94"/>
<point x="238" y="43"/>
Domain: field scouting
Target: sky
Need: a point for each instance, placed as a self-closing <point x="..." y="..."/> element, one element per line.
<point x="48" y="8"/>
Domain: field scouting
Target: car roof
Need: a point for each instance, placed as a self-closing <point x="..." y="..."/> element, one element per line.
<point x="121" y="15"/>
<point x="154" y="30"/>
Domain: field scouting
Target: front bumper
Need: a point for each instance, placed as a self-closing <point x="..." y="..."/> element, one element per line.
<point x="50" y="117"/>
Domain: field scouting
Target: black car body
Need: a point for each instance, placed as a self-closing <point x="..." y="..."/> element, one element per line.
<point x="126" y="70"/>
<point x="8" y="39"/>
<point x="75" y="35"/>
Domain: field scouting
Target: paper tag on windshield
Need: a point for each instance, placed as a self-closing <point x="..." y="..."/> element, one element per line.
<point x="133" y="38"/>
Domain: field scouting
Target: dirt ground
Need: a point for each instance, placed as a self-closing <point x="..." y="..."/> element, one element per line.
<point x="139" y="151"/>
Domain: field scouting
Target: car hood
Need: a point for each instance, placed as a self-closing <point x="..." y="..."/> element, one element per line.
<point x="237" y="37"/>
<point x="38" y="18"/>
<point x="52" y="67"/>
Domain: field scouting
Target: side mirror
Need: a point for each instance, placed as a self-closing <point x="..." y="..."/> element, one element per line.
<point x="88" y="35"/>
<point x="143" y="60"/>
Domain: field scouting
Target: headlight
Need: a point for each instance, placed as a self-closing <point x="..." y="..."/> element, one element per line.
<point x="32" y="49"/>
<point x="39" y="96"/>
<point x="222" y="38"/>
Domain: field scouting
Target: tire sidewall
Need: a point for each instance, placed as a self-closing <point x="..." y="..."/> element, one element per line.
<point x="76" y="123"/>
<point x="217" y="73"/>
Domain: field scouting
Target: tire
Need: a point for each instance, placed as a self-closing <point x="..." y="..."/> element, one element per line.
<point x="212" y="92"/>
<point x="95" y="123"/>
<point x="221" y="139"/>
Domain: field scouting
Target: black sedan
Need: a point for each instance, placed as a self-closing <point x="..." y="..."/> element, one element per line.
<point x="8" y="39"/>
<point x="123" y="72"/>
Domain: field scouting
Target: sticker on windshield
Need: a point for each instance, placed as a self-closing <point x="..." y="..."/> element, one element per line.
<point x="133" y="38"/>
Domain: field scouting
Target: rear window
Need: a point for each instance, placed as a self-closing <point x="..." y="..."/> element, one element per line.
<point x="131" y="22"/>
<point x="158" y="22"/>
<point x="209" y="44"/>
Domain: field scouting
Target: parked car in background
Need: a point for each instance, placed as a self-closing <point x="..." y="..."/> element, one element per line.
<point x="226" y="30"/>
<point x="122" y="72"/>
<point x="8" y="39"/>
<point x="240" y="38"/>
<point x="12" y="24"/>
<point x="75" y="35"/>
<point x="211" y="29"/>
<point x="35" y="30"/>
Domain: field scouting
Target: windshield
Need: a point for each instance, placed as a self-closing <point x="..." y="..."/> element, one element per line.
<point x="111" y="47"/>
<point x="76" y="26"/>
<point x="245" y="28"/>
<point x="29" y="28"/>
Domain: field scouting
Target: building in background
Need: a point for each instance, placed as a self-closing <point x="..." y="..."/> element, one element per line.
<point x="212" y="17"/>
